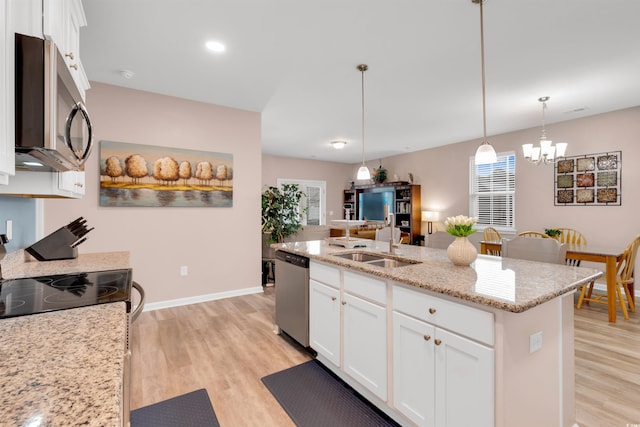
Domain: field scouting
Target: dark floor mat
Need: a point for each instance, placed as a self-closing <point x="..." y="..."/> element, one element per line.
<point x="188" y="410"/>
<point x="314" y="397"/>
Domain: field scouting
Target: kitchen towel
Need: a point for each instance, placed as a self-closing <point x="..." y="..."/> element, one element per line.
<point x="188" y="410"/>
<point x="314" y="397"/>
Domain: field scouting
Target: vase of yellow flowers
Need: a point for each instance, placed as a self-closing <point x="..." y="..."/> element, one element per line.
<point x="461" y="251"/>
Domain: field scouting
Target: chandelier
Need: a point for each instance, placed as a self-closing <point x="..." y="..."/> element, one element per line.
<point x="546" y="153"/>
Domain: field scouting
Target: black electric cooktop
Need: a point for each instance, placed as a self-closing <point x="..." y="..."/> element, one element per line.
<point x="33" y="295"/>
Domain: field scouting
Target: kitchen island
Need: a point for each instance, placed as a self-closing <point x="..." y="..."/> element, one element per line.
<point x="431" y="343"/>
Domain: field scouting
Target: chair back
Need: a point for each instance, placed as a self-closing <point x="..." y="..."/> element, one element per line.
<point x="571" y="236"/>
<point x="384" y="234"/>
<point x="536" y="234"/>
<point x="542" y="250"/>
<point x="628" y="262"/>
<point x="490" y="234"/>
<point x="439" y="240"/>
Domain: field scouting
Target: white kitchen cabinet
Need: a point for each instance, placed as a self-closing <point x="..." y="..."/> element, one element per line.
<point x="441" y="378"/>
<point x="324" y="321"/>
<point x="69" y="184"/>
<point x="7" y="156"/>
<point x="365" y="343"/>
<point x="62" y="20"/>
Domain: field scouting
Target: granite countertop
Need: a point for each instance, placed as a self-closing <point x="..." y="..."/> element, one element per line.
<point x="20" y="264"/>
<point x="64" y="367"/>
<point x="508" y="284"/>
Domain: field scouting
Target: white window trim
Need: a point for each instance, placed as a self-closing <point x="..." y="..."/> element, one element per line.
<point x="472" y="206"/>
<point x="304" y="183"/>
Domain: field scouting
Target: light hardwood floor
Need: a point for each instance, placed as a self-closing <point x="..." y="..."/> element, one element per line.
<point x="226" y="346"/>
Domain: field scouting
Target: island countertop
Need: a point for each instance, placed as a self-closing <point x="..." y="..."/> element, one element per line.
<point x="64" y="367"/>
<point x="505" y="283"/>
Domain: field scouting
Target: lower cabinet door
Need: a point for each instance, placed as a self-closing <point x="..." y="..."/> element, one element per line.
<point x="324" y="321"/>
<point x="365" y="344"/>
<point x="413" y="369"/>
<point x="464" y="382"/>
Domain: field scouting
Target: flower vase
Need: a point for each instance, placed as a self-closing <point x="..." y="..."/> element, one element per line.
<point x="462" y="252"/>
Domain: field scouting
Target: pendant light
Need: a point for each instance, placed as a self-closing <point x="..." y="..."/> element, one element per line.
<point x="485" y="153"/>
<point x="363" y="172"/>
<point x="546" y="153"/>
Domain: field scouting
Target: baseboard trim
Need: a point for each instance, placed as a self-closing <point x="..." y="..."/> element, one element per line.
<point x="201" y="298"/>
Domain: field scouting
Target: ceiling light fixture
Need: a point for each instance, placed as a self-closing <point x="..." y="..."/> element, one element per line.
<point x="215" y="46"/>
<point x="338" y="145"/>
<point x="546" y="153"/>
<point x="485" y="153"/>
<point x="363" y="172"/>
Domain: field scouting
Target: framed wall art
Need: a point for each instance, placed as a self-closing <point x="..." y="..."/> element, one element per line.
<point x="589" y="180"/>
<point x="147" y="175"/>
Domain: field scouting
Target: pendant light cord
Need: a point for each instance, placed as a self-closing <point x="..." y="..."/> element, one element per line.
<point x="484" y="106"/>
<point x="362" y="68"/>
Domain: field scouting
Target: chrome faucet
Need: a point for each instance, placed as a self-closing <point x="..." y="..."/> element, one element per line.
<point x="392" y="241"/>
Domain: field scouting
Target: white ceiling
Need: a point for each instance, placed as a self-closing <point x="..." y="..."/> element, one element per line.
<point x="295" y="62"/>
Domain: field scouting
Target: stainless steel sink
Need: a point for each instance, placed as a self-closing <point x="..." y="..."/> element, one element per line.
<point x="390" y="263"/>
<point x="361" y="257"/>
<point x="376" y="259"/>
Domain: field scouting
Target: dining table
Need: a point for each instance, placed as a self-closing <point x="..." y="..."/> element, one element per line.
<point x="608" y="255"/>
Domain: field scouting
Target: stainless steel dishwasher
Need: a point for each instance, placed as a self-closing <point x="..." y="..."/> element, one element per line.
<point x="292" y="296"/>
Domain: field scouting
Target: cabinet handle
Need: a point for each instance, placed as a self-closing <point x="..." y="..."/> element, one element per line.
<point x="427" y="337"/>
<point x="74" y="66"/>
<point x="432" y="310"/>
<point x="437" y="341"/>
<point x="333" y="298"/>
<point x="69" y="55"/>
<point x="79" y="184"/>
<point x="344" y="303"/>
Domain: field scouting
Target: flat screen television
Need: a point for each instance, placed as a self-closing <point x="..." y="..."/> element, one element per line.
<point x="371" y="205"/>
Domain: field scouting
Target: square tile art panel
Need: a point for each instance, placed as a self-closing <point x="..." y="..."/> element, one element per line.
<point x="589" y="180"/>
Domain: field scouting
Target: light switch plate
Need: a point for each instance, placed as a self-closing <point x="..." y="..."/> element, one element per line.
<point x="535" y="342"/>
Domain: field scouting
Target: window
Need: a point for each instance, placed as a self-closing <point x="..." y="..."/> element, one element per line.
<point x="492" y="192"/>
<point x="314" y="200"/>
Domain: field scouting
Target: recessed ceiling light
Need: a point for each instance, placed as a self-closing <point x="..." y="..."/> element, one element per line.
<point x="215" y="46"/>
<point x="338" y="145"/>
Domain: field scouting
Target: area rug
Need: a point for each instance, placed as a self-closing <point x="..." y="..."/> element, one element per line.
<point x="315" y="397"/>
<point x="188" y="410"/>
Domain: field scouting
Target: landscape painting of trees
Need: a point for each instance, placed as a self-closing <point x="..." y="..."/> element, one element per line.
<point x="147" y="175"/>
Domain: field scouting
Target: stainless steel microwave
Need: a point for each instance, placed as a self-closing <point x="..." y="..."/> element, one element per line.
<point x="52" y="127"/>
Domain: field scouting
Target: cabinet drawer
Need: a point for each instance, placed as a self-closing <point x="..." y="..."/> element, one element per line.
<point x="366" y="286"/>
<point x="461" y="319"/>
<point x="325" y="273"/>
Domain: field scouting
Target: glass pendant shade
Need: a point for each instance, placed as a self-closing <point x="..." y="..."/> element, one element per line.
<point x="485" y="154"/>
<point x="363" y="173"/>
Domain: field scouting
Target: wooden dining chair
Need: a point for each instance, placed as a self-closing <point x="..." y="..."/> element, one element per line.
<point x="536" y="234"/>
<point x="624" y="278"/>
<point x="542" y="250"/>
<point x="490" y="234"/>
<point x="571" y="237"/>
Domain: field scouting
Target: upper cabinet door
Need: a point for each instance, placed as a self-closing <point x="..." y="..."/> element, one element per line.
<point x="62" y="20"/>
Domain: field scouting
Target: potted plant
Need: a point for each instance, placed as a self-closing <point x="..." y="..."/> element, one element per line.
<point x="552" y="232"/>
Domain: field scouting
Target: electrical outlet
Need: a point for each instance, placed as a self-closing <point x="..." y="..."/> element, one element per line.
<point x="535" y="342"/>
<point x="184" y="270"/>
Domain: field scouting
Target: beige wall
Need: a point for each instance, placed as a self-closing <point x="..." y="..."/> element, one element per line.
<point x="443" y="173"/>
<point x="337" y="176"/>
<point x="220" y="246"/>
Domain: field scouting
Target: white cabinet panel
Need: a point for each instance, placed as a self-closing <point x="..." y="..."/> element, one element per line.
<point x="324" y="321"/>
<point x="365" y="344"/>
<point x="464" y="382"/>
<point x="414" y="369"/>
